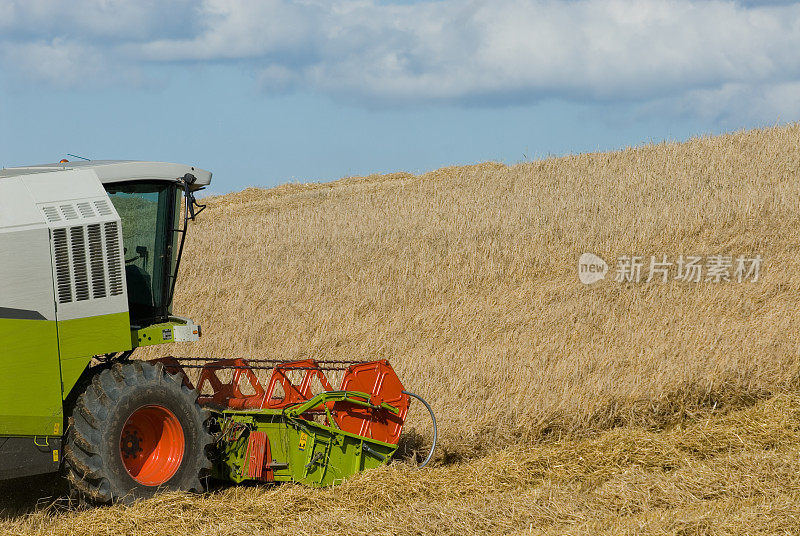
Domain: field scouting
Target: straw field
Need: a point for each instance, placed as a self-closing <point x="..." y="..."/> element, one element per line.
<point x="638" y="407"/>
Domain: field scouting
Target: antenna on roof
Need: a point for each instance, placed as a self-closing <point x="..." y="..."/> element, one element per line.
<point x="81" y="157"/>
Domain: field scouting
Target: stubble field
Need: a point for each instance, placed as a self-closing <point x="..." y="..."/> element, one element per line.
<point x="620" y="407"/>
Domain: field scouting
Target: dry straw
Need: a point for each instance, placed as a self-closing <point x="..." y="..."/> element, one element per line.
<point x="733" y="474"/>
<point x="466" y="279"/>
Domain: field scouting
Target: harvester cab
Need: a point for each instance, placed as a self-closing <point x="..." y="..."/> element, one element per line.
<point x="89" y="256"/>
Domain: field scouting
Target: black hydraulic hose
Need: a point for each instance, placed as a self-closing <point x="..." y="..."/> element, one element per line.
<point x="189" y="213"/>
<point x="433" y="418"/>
<point x="186" y="202"/>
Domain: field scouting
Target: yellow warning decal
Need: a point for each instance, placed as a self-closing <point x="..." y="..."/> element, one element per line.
<point x="55" y="455"/>
<point x="302" y="443"/>
<point x="56" y="428"/>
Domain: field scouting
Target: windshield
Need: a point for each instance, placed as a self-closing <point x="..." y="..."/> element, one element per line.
<point x="148" y="213"/>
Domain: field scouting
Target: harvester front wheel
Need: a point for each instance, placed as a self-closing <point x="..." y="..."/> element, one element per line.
<point x="136" y="430"/>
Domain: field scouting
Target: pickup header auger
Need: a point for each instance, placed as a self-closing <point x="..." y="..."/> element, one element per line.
<point x="89" y="258"/>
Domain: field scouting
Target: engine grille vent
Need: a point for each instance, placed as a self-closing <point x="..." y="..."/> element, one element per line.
<point x="69" y="212"/>
<point x="61" y="253"/>
<point x="86" y="210"/>
<point x="88" y="262"/>
<point x="96" y="261"/>
<point x="81" y="278"/>
<point x="51" y="213"/>
<point x="103" y="208"/>
<point x="82" y="210"/>
<point x="114" y="260"/>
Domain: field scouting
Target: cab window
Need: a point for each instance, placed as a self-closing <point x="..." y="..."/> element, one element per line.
<point x="147" y="211"/>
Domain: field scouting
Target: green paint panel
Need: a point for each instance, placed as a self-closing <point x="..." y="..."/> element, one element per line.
<point x="155" y="334"/>
<point x="71" y="370"/>
<point x="82" y="338"/>
<point x="31" y="373"/>
<point x="94" y="335"/>
<point x="30" y="379"/>
<point x="302" y="450"/>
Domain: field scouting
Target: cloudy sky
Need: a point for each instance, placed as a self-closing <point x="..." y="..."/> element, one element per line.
<point x="267" y="91"/>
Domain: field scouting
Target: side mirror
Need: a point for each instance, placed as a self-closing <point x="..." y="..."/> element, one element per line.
<point x="192" y="205"/>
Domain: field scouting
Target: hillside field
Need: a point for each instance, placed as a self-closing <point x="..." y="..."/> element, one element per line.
<point x="661" y="407"/>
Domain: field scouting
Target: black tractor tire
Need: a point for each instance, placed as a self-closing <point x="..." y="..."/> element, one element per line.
<point x="100" y="444"/>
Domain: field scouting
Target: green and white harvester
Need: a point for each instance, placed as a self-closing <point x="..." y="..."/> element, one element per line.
<point x="89" y="255"/>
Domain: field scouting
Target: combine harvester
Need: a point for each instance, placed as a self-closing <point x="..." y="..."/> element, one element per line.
<point x="89" y="255"/>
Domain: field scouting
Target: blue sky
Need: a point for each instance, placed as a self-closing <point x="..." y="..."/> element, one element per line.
<point x="265" y="92"/>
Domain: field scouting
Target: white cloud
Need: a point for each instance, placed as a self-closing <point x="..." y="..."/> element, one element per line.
<point x="453" y="51"/>
<point x="736" y="102"/>
<point x="95" y="20"/>
<point x="58" y="62"/>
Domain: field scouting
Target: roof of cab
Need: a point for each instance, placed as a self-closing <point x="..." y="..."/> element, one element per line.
<point x="118" y="170"/>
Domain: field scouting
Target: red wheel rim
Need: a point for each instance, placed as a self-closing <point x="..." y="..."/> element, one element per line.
<point x="151" y="445"/>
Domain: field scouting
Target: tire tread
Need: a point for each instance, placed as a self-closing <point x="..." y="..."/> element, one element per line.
<point x="84" y="465"/>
